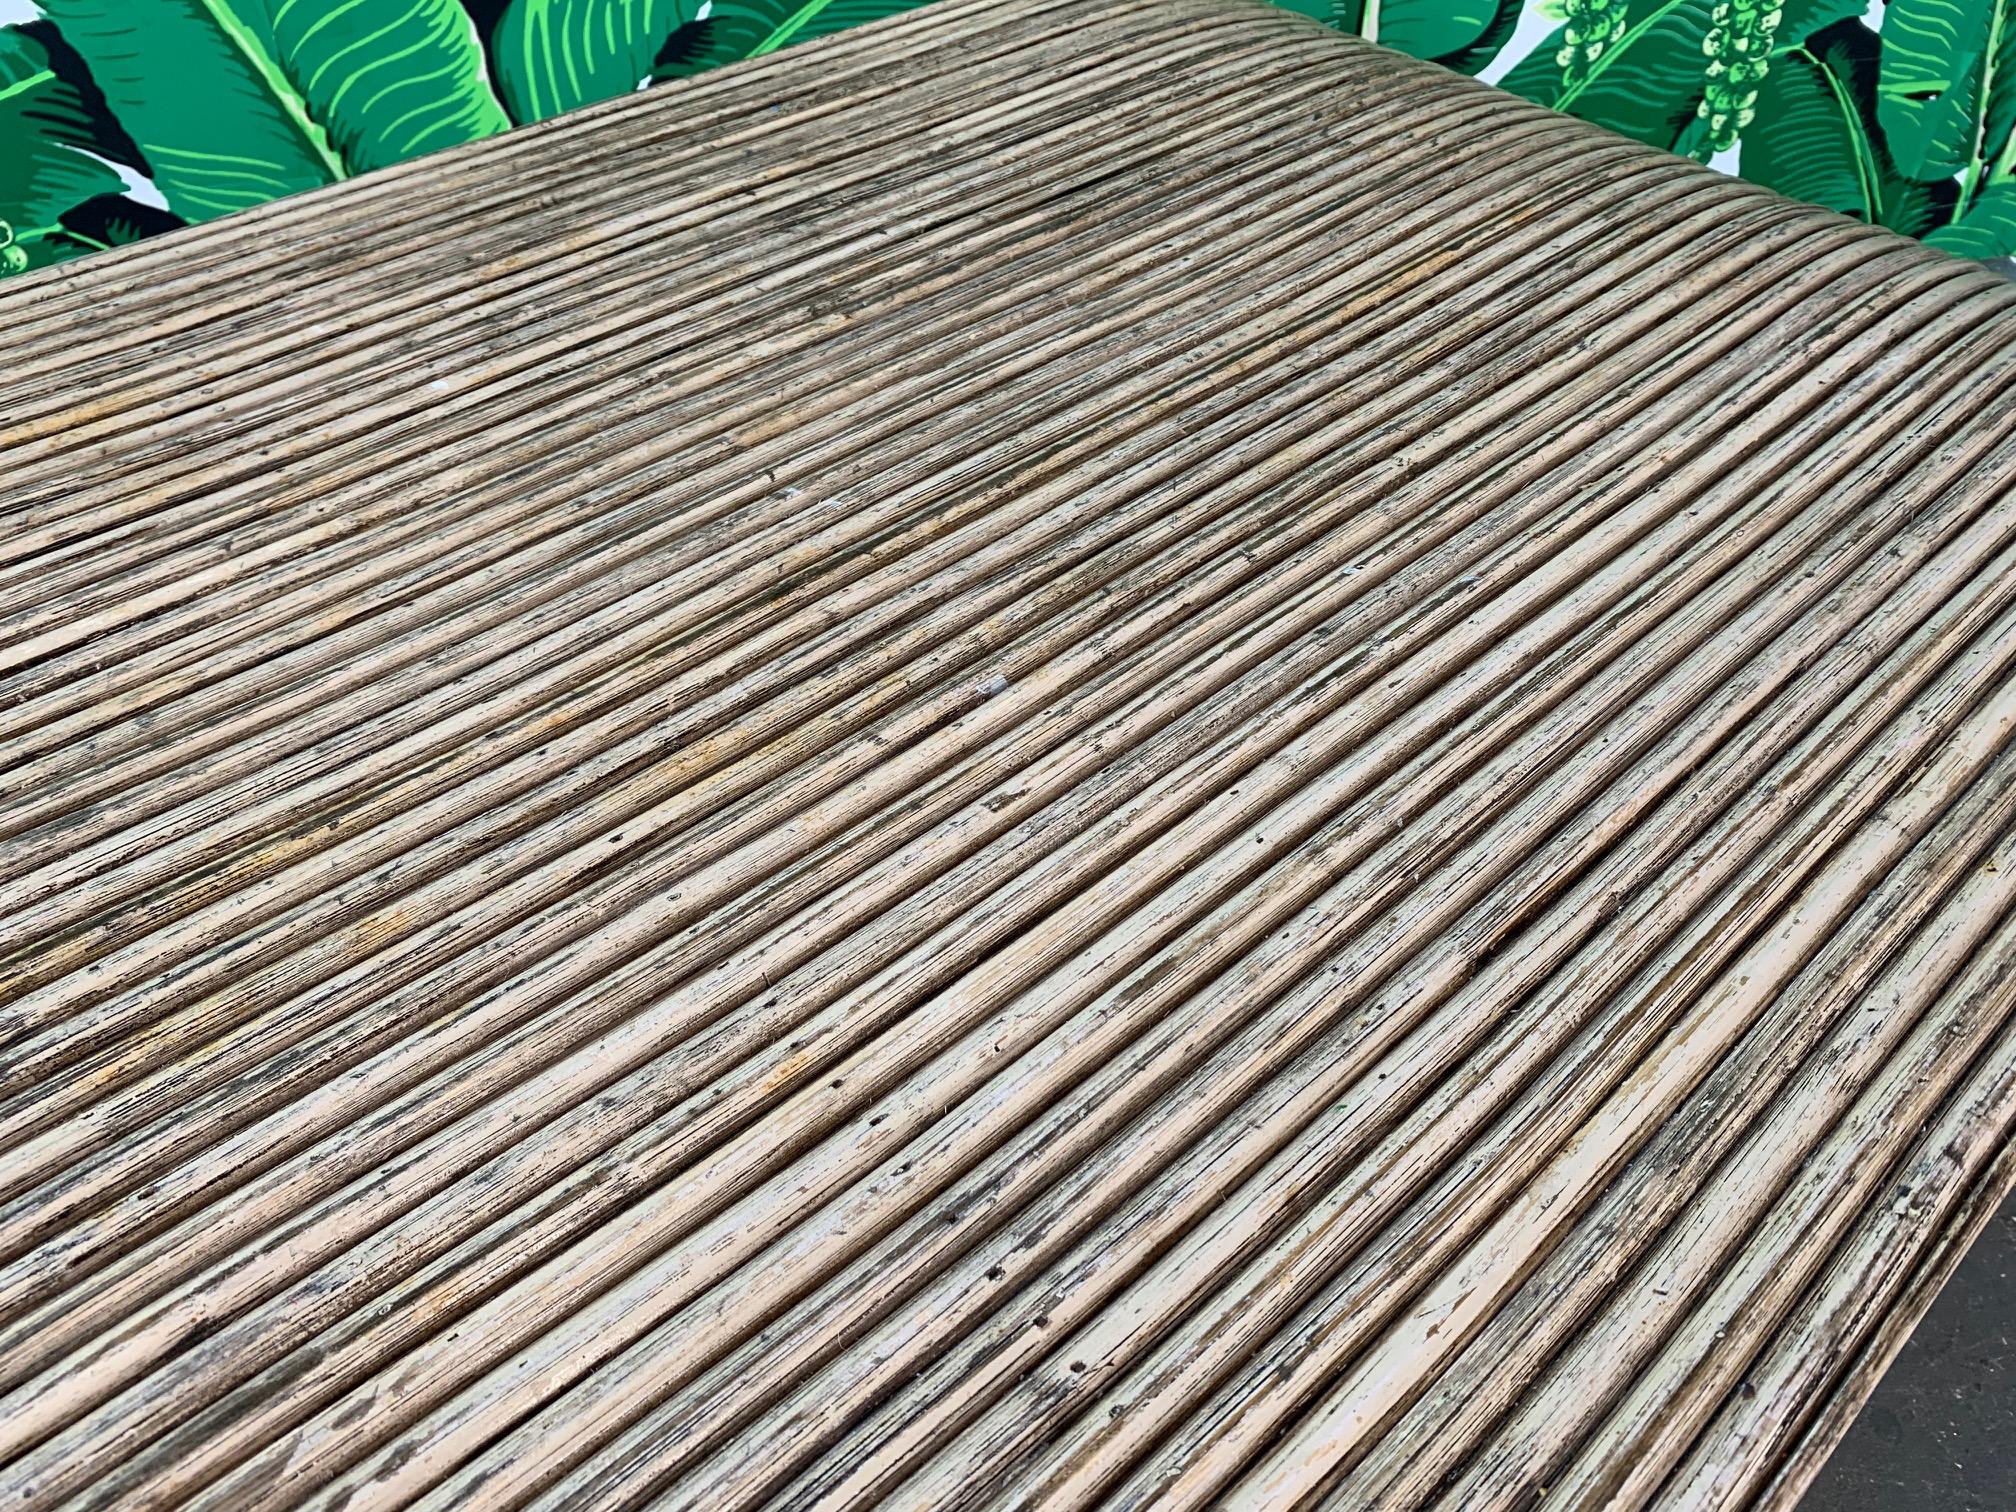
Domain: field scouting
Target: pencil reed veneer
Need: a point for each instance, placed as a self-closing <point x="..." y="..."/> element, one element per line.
<point x="1041" y="757"/>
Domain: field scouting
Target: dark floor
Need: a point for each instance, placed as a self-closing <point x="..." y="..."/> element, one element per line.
<point x="1939" y="1435"/>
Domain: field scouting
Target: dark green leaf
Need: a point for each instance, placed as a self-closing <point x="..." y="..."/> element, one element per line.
<point x="108" y="220"/>
<point x="109" y="138"/>
<point x="387" y="79"/>
<point x="1478" y="55"/>
<point x="1813" y="137"/>
<point x="195" y="84"/>
<point x="1648" y="85"/>
<point x="1931" y="92"/>
<point x="117" y="220"/>
<point x="1434" y="29"/>
<point x="1460" y="34"/>
<point x="1912" y="208"/>
<point x="1805" y="17"/>
<point x="1817" y="136"/>
<point x="821" y="18"/>
<point x="555" y="55"/>
<point x="732" y="30"/>
<point x="1651" y="83"/>
<point x="46" y="166"/>
<point x="1988" y="229"/>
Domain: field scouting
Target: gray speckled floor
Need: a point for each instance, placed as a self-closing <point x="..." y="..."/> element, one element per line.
<point x="1939" y="1434"/>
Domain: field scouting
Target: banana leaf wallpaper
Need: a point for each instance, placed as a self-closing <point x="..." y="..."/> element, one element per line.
<point x="123" y="118"/>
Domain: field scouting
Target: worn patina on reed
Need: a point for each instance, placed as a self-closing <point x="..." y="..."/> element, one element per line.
<point x="1046" y="756"/>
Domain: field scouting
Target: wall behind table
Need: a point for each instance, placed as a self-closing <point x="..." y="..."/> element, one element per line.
<point x="122" y="118"/>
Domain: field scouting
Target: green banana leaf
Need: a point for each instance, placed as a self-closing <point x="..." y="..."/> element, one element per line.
<point x="1812" y="138"/>
<point x="554" y="55"/>
<point x="1649" y="84"/>
<point x="196" y="86"/>
<point x="45" y="167"/>
<point x="1945" y="72"/>
<point x="1946" y="96"/>
<point x="387" y="79"/>
<point x="732" y="30"/>
<point x="1988" y="228"/>
<point x="106" y="220"/>
<point x="1474" y="57"/>
<point x="1439" y="30"/>
<point x="1461" y="34"/>
<point x="1817" y="137"/>
<point x="822" y="18"/>
<point x="1999" y="117"/>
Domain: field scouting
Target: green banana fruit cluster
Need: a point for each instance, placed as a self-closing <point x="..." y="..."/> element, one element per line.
<point x="1593" y="27"/>
<point x="1738" y="46"/>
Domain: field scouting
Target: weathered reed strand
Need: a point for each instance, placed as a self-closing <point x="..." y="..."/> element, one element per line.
<point x="549" y="726"/>
<point x="346" y="244"/>
<point x="250" y="441"/>
<point x="1670" y="1280"/>
<point x="95" y="1073"/>
<point x="27" y="1063"/>
<point x="1589" y="1270"/>
<point x="975" y="196"/>
<point x="1881" y="1325"/>
<point x="662" y="392"/>
<point x="96" y="684"/>
<point x="1207" y="689"/>
<point x="485" y="359"/>
<point x="1443" y="1036"/>
<point x="1351" y="1312"/>
<point x="1199" y="276"/>
<point x="663" y="1433"/>
<point x="658" y="1297"/>
<point x="498" y="159"/>
<point x="1845" y="1182"/>
<point x="1589" y="1159"/>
